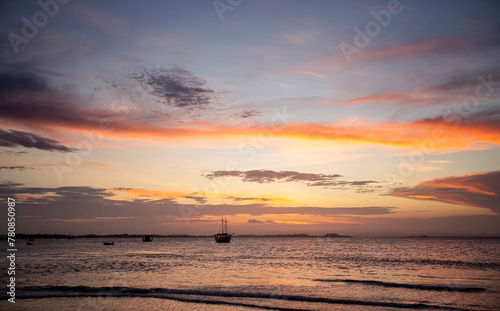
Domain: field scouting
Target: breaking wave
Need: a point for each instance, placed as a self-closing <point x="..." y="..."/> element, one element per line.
<point x="209" y="296"/>
<point x="441" y="288"/>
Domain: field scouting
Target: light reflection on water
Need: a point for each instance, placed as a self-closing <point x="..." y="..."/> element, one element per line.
<point x="311" y="267"/>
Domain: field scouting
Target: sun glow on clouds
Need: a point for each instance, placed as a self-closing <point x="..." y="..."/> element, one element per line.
<point x="422" y="196"/>
<point x="270" y="220"/>
<point x="134" y="117"/>
<point x="200" y="198"/>
<point x="456" y="132"/>
<point x="312" y="74"/>
<point x="88" y="220"/>
<point x="452" y="137"/>
<point x="476" y="190"/>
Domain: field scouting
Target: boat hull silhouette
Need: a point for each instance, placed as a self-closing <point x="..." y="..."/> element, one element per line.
<point x="223" y="237"/>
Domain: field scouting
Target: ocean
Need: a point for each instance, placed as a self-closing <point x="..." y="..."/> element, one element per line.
<point x="257" y="273"/>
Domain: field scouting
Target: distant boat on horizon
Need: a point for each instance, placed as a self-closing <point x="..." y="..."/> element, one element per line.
<point x="223" y="236"/>
<point x="108" y="243"/>
<point x="147" y="238"/>
<point x="29" y="242"/>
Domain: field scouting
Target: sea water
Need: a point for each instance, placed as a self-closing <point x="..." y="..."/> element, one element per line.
<point x="286" y="273"/>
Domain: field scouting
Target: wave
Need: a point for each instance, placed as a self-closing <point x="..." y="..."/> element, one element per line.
<point x="420" y="262"/>
<point x="206" y="296"/>
<point x="440" y="288"/>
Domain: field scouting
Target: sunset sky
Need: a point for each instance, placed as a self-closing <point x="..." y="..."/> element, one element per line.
<point x="355" y="117"/>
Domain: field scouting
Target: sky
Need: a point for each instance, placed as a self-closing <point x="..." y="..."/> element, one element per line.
<point x="367" y="118"/>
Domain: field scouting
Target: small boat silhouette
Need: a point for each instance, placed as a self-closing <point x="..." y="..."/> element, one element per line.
<point x="108" y="243"/>
<point x="147" y="238"/>
<point x="29" y="242"/>
<point x="223" y="237"/>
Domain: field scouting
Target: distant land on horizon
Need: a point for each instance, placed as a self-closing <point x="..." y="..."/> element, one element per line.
<point x="125" y="235"/>
<point x="300" y="235"/>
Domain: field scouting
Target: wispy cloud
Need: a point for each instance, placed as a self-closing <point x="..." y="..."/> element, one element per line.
<point x="303" y="37"/>
<point x="478" y="82"/>
<point x="256" y="221"/>
<point x="157" y="194"/>
<point x="478" y="190"/>
<point x="311" y="73"/>
<point x="268" y="176"/>
<point x="106" y="22"/>
<point x="12" y="138"/>
<point x="159" y="40"/>
<point x="240" y="199"/>
<point x="198" y="197"/>
<point x="246" y="114"/>
<point x="177" y="87"/>
<point x="312" y="180"/>
<point x="442" y="46"/>
<point x="16" y="167"/>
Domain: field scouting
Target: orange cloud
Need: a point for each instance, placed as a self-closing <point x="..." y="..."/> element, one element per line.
<point x="55" y="112"/>
<point x="95" y="164"/>
<point x="294" y="219"/>
<point x="424" y="46"/>
<point x="311" y="73"/>
<point x="50" y="109"/>
<point x="132" y="193"/>
<point x="418" y="97"/>
<point x="429" y="47"/>
<point x="454" y="136"/>
<point x="478" y="190"/>
<point x="422" y="196"/>
<point x="374" y="98"/>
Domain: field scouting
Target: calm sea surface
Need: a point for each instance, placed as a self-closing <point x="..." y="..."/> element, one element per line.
<point x="258" y="274"/>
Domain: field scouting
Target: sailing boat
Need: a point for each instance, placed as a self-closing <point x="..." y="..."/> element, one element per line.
<point x="223" y="237"/>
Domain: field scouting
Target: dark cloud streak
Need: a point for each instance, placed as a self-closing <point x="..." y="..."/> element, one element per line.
<point x="177" y="87"/>
<point x="247" y="114"/>
<point x="17" y="167"/>
<point x="256" y="221"/>
<point x="311" y="180"/>
<point x="12" y="138"/>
